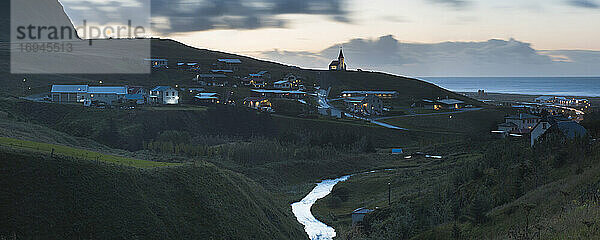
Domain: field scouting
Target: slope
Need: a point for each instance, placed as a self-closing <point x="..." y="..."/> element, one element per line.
<point x="65" y="198"/>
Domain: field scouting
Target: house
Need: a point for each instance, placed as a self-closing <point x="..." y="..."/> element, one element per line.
<point x="69" y="93"/>
<point x="524" y="122"/>
<point x="135" y="99"/>
<point x="339" y="64"/>
<point x="192" y="66"/>
<point x="369" y="105"/>
<point x="87" y="94"/>
<point x="257" y="103"/>
<point x="263" y="74"/>
<point x="379" y="94"/>
<point x="564" y="101"/>
<point x="207" y="98"/>
<point x="358" y="215"/>
<point x="278" y="94"/>
<point x="228" y="64"/>
<point x="222" y="71"/>
<point x="137" y="90"/>
<point x="194" y="90"/>
<point x="217" y="80"/>
<point x="508" y="127"/>
<point x="158" y="62"/>
<point x="450" y="104"/>
<point x="164" y="95"/>
<point x="107" y="95"/>
<point x="295" y="81"/>
<point x="397" y="151"/>
<point x="283" y="84"/>
<point x="254" y="81"/>
<point x="567" y="128"/>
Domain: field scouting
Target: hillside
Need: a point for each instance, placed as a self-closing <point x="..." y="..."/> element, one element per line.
<point x="410" y="89"/>
<point x="65" y="198"/>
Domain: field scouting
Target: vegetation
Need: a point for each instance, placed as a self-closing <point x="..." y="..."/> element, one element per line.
<point x="54" y="149"/>
<point x="483" y="188"/>
<point x="64" y="198"/>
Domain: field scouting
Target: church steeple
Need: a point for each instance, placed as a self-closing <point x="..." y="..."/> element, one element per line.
<point x="341" y="57"/>
<point x="339" y="64"/>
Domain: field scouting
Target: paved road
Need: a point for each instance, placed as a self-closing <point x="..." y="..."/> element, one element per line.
<point x="324" y="104"/>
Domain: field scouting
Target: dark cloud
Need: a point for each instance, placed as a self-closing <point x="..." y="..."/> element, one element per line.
<point x="199" y="15"/>
<point x="584" y="3"/>
<point x="453" y="3"/>
<point x="488" y="58"/>
<point x="172" y="16"/>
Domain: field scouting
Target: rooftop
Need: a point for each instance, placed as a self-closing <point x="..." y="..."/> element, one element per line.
<point x="281" y="82"/>
<point x="69" y="88"/>
<point x="369" y="92"/>
<point x="223" y="71"/>
<point x="227" y="60"/>
<point x="571" y="129"/>
<point x="450" y="101"/>
<point x="160" y="88"/>
<point x="522" y="116"/>
<point x="277" y="91"/>
<point x="212" y="75"/>
<point x="203" y="96"/>
<point x="100" y="90"/>
<point x="134" y="97"/>
<point x="362" y="211"/>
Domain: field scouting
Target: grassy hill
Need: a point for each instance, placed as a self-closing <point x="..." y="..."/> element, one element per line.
<point x="63" y="198"/>
<point x="482" y="188"/>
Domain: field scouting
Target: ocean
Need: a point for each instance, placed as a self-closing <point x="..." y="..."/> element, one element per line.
<point x="560" y="86"/>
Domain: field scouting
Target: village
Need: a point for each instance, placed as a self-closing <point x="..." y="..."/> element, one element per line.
<point x="222" y="85"/>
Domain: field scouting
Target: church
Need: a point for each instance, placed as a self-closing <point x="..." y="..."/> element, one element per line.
<point x="339" y="64"/>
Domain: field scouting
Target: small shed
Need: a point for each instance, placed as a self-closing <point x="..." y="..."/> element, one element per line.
<point x="358" y="215"/>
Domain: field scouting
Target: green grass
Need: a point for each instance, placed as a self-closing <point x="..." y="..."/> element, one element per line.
<point x="80" y="153"/>
<point x="472" y="122"/>
<point x="61" y="198"/>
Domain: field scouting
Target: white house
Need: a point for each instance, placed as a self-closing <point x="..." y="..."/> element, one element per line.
<point x="524" y="122"/>
<point x="282" y="84"/>
<point x="539" y="130"/>
<point x="164" y="95"/>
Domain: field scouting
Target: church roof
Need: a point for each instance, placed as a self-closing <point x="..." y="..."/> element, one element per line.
<point x="341" y="54"/>
<point x="334" y="63"/>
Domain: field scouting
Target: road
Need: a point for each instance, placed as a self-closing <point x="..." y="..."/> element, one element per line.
<point x="324" y="106"/>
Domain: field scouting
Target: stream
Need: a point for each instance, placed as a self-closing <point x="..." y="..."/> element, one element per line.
<point x="315" y="229"/>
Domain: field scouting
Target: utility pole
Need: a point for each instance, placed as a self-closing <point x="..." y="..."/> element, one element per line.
<point x="389" y="193"/>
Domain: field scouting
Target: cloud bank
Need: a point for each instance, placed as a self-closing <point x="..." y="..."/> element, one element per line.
<point x="490" y="58"/>
<point x="200" y="15"/>
<point x="584" y="3"/>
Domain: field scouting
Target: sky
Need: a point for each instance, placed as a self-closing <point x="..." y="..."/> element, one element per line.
<point x="416" y="37"/>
